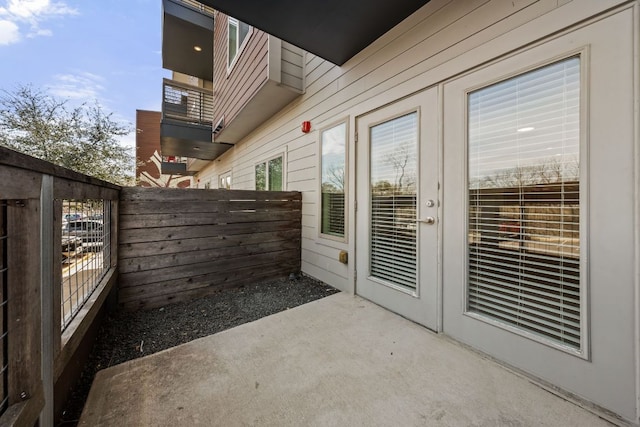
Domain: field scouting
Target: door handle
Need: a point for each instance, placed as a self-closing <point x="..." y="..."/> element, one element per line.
<point x="428" y="220"/>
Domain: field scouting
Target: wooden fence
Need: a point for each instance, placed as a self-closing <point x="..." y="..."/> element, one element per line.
<point x="181" y="244"/>
<point x="38" y="358"/>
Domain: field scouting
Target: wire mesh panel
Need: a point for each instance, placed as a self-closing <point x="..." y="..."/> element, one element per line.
<point x="4" y="359"/>
<point x="86" y="252"/>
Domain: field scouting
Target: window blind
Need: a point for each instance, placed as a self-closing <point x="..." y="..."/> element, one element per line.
<point x="524" y="202"/>
<point x="393" y="245"/>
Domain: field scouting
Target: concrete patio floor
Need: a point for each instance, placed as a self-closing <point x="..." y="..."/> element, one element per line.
<point x="338" y="361"/>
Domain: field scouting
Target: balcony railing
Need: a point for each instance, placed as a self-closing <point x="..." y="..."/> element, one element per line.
<point x="187" y="103"/>
<point x="195" y="5"/>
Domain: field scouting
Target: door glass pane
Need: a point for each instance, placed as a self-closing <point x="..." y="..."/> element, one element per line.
<point x="394" y="149"/>
<point x="524" y="202"/>
<point x="275" y="174"/>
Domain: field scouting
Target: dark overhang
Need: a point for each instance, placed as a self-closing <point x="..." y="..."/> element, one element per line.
<point x="335" y="30"/>
<point x="189" y="140"/>
<point x="175" y="168"/>
<point x="185" y="29"/>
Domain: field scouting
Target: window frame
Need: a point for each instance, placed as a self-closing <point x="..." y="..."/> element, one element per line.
<point x="222" y="176"/>
<point x="240" y="45"/>
<point x="344" y="238"/>
<point x="266" y="163"/>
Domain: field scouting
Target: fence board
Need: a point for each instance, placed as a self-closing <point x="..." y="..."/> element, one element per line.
<point x="206" y="206"/>
<point x="179" y="219"/>
<point x="229" y="254"/>
<point x="162" y="234"/>
<point x="192" y="194"/>
<point x="217" y="279"/>
<point x="179" y="244"/>
<point x="203" y="291"/>
<point x="135" y="250"/>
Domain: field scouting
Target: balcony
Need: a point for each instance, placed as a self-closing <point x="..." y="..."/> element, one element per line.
<point x="172" y="165"/>
<point x="338" y="361"/>
<point x="187" y="38"/>
<point x="186" y="126"/>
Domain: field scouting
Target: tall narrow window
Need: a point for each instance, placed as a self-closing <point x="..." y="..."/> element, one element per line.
<point x="269" y="175"/>
<point x="333" y="146"/>
<point x="238" y="32"/>
<point x="524" y="202"/>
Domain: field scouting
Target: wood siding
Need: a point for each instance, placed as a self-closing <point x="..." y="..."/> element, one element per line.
<point x="234" y="88"/>
<point x="441" y="40"/>
<point x="176" y="245"/>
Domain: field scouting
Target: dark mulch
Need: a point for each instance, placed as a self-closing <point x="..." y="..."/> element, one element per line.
<point x="125" y="336"/>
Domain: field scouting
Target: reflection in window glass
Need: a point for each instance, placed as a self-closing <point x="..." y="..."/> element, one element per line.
<point x="238" y="32"/>
<point x="261" y="176"/>
<point x="524" y="194"/>
<point x="333" y="180"/>
<point x="393" y="181"/>
<point x="269" y="175"/>
<point x="275" y="174"/>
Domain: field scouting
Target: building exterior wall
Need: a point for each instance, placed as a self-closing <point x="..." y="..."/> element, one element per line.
<point x="148" y="158"/>
<point x="439" y="43"/>
<point x="235" y="86"/>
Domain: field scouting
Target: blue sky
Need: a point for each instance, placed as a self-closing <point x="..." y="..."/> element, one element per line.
<point x="81" y="50"/>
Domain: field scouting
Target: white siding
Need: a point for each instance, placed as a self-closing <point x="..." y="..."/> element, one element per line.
<point x="441" y="40"/>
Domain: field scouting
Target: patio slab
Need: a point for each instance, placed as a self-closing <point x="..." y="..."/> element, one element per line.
<point x="338" y="361"/>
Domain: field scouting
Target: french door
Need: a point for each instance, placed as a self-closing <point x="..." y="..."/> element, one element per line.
<point x="397" y="207"/>
<point x="537" y="222"/>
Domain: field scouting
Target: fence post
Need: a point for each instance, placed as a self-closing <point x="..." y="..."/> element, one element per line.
<point x="24" y="321"/>
<point x="47" y="256"/>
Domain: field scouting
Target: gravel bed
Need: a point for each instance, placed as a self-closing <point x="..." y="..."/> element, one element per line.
<point x="128" y="335"/>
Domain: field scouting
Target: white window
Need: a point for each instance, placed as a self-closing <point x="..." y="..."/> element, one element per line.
<point x="237" y="35"/>
<point x="269" y="175"/>
<point x="333" y="170"/>
<point x="224" y="180"/>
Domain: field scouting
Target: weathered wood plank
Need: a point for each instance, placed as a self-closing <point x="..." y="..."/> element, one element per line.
<point x="192" y="194"/>
<point x="187" y="295"/>
<point x="15" y="159"/>
<point x="24" y="413"/>
<point x="185" y="271"/>
<point x="24" y="314"/>
<point x="177" y="244"/>
<point x="156" y="262"/>
<point x="57" y="275"/>
<point x="211" y="206"/>
<point x="68" y="189"/>
<point x="19" y="183"/>
<point x="178" y="219"/>
<point x="133" y="250"/>
<point x="192" y="231"/>
<point x="114" y="237"/>
<point x="216" y="279"/>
